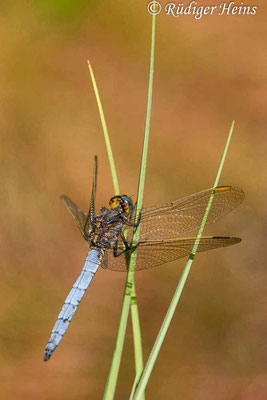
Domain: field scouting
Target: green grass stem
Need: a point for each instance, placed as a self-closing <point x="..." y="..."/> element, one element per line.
<point x="129" y="286"/>
<point x="134" y="308"/>
<point x="137" y="338"/>
<point x="172" y="307"/>
<point x="133" y="301"/>
<point x="105" y="131"/>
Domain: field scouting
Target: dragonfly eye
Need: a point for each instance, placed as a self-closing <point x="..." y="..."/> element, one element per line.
<point x="124" y="201"/>
<point x="115" y="201"/>
<point x="127" y="204"/>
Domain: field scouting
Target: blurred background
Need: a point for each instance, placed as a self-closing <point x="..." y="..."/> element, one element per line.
<point x="207" y="73"/>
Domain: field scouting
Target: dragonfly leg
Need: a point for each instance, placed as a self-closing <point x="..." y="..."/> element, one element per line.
<point x="116" y="254"/>
<point x="135" y="224"/>
<point x="127" y="248"/>
<point x="126" y="245"/>
<point x="125" y="242"/>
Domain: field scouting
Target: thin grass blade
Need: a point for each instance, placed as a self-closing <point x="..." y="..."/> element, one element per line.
<point x="105" y="131"/>
<point x="116" y="358"/>
<point x="134" y="308"/>
<point x="178" y="292"/>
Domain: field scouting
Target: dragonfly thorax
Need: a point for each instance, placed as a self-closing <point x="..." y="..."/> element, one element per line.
<point x="106" y="227"/>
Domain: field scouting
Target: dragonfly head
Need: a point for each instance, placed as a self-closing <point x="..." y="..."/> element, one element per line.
<point x="122" y="201"/>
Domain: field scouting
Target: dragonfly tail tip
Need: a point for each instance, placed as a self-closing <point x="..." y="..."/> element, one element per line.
<point x="47" y="355"/>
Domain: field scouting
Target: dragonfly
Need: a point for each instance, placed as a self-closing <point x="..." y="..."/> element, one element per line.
<point x="163" y="237"/>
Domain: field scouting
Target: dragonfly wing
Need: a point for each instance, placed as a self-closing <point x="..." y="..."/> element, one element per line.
<point x="91" y="212"/>
<point x="109" y="259"/>
<point x="180" y="217"/>
<point x="114" y="263"/>
<point x="72" y="301"/>
<point x="77" y="213"/>
<point x="157" y="252"/>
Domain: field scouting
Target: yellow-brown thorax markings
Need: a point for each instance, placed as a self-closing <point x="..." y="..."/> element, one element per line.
<point x="106" y="227"/>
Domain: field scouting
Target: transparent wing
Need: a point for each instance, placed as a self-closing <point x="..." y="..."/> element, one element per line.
<point x="77" y="213"/>
<point x="91" y="212"/>
<point x="156" y="252"/>
<point x="83" y="220"/>
<point x="180" y="217"/>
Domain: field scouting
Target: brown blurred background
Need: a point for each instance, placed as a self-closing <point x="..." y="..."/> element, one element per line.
<point x="207" y="73"/>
